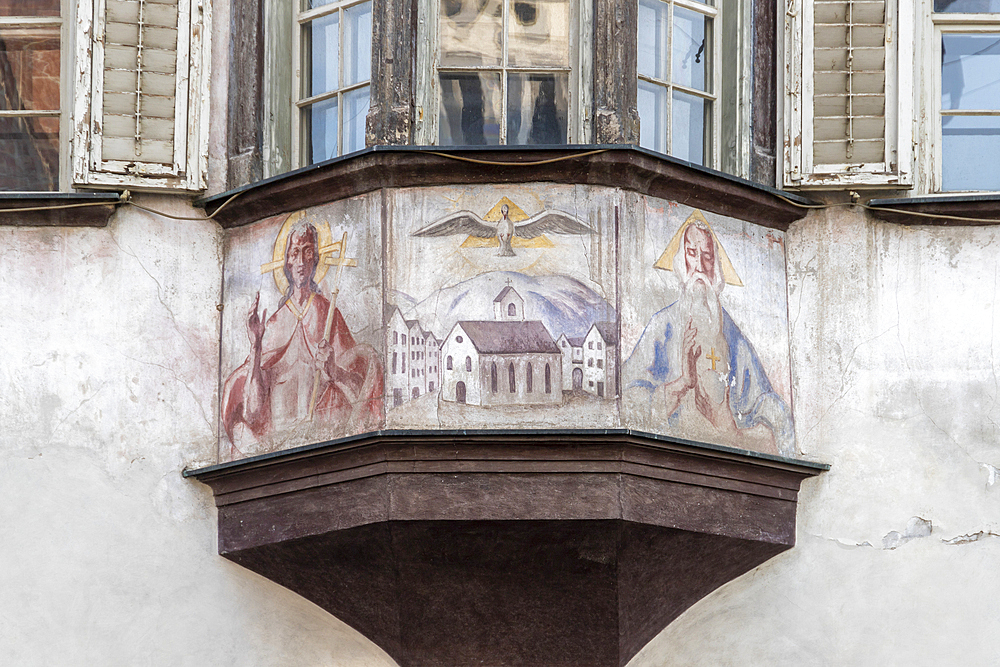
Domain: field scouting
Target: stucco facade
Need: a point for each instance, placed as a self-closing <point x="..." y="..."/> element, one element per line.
<point x="879" y="337"/>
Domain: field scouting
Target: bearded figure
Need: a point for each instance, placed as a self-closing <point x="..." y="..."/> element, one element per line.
<point x="304" y="365"/>
<point x="694" y="370"/>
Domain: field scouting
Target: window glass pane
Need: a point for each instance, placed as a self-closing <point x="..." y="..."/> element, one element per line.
<point x="355" y="112"/>
<point x="690" y="48"/>
<point x="538" y="31"/>
<point x="470" y="109"/>
<point x="471" y="32"/>
<point x="687" y="132"/>
<point x="323" y="36"/>
<point x="29" y="68"/>
<point x="970" y="71"/>
<point x="29" y="7"/>
<point x="969" y="146"/>
<point x="536" y="108"/>
<point x="30" y="151"/>
<point x="652" y="103"/>
<point x="652" y="38"/>
<point x="967" y="6"/>
<point x="357" y="43"/>
<point x="320" y="123"/>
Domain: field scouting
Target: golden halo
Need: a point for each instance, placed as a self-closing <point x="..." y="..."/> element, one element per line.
<point x="666" y="260"/>
<point x="277" y="264"/>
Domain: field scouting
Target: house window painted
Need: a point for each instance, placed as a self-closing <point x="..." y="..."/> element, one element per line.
<point x="548" y="379"/>
<point x="31" y="95"/>
<point x="511" y="310"/>
<point x="449" y="366"/>
<point x="968" y="39"/>
<point x="335" y="54"/>
<point x="511" y="382"/>
<point x="493" y="378"/>
<point x="676" y="94"/>
<point x="529" y="380"/>
<point x="468" y="364"/>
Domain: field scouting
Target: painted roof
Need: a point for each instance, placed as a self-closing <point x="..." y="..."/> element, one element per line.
<point x="503" y="294"/>
<point x="608" y="331"/>
<point x="490" y="337"/>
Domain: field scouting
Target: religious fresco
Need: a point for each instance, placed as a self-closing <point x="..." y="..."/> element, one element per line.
<point x="300" y="346"/>
<point x="495" y="294"/>
<point x="705" y="349"/>
<point x="504" y="306"/>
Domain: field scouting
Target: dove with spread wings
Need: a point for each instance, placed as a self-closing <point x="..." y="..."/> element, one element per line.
<point x="505" y="229"/>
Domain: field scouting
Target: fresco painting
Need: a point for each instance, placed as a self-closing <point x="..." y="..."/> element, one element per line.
<point x="527" y="306"/>
<point x="306" y="375"/>
<point x="502" y="298"/>
<point x="693" y="371"/>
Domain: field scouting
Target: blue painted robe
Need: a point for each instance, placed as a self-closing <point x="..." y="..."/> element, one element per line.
<point x="655" y="361"/>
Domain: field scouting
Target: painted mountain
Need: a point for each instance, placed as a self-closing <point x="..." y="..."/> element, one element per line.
<point x="563" y="304"/>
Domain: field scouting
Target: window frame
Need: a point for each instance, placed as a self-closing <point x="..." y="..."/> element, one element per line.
<point x="944" y="23"/>
<point x="300" y="101"/>
<point x="713" y="122"/>
<point x="427" y="88"/>
<point x="65" y="19"/>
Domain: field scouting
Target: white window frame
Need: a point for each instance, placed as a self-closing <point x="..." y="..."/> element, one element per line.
<point x="799" y="170"/>
<point x="943" y="24"/>
<point x="428" y="94"/>
<point x="300" y="18"/>
<point x="66" y="11"/>
<point x="712" y="150"/>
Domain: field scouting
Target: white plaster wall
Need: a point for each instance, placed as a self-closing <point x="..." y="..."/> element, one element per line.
<point x="895" y="347"/>
<point x="108" y="388"/>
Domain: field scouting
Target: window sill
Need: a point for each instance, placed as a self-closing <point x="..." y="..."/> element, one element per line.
<point x="57" y="209"/>
<point x="977" y="209"/>
<point x="627" y="167"/>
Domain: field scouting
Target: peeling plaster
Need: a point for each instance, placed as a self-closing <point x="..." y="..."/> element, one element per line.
<point x="992" y="472"/>
<point x="972" y="537"/>
<point x="915" y="527"/>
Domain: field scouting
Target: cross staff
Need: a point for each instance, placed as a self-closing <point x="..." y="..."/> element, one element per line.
<point x="340" y="261"/>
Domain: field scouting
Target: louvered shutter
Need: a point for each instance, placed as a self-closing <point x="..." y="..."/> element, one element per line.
<point x="141" y="99"/>
<point x="847" y="112"/>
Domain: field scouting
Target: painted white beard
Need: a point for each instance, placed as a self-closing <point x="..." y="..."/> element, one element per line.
<point x="699" y="302"/>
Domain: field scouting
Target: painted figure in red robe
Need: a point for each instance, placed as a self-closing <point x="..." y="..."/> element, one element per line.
<point x="276" y="388"/>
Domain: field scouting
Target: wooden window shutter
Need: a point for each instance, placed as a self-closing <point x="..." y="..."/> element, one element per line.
<point x="141" y="108"/>
<point x="848" y="100"/>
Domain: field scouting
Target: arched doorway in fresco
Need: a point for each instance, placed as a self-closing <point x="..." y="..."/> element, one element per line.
<point x="460" y="392"/>
<point x="577" y="379"/>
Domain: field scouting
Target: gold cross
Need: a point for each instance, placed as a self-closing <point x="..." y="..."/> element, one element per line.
<point x="713" y="358"/>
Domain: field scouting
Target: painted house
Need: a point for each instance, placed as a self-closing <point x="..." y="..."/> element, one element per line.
<point x="599" y="354"/>
<point x="413" y="359"/>
<point x="571" y="349"/>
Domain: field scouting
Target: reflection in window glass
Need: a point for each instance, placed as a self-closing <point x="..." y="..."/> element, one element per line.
<point x="970" y="110"/>
<point x="470" y="109"/>
<point x="29" y="95"/>
<point x="504" y="72"/>
<point x="337" y="69"/>
<point x="675" y="90"/>
<point x="536" y="108"/>
<point x="967" y="6"/>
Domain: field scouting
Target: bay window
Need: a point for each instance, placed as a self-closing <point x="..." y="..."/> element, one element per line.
<point x="334" y="90"/>
<point x="677" y="80"/>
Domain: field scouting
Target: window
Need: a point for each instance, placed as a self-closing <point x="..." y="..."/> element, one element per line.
<point x="590" y="345"/>
<point x="590" y="362"/>
<point x="529" y="380"/>
<point x="511" y="310"/>
<point x="395" y="338"/>
<point x="468" y="364"/>
<point x="599" y="345"/>
<point x="493" y="378"/>
<point x="600" y="363"/>
<point x="395" y="361"/>
<point x="30" y="102"/>
<point x="449" y="366"/>
<point x="507" y="72"/>
<point x="510" y="377"/>
<point x="335" y="52"/>
<point x="548" y="379"/>
<point x="968" y="36"/>
<point x="676" y="90"/>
